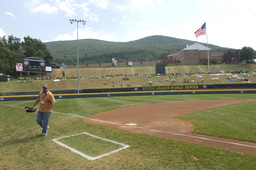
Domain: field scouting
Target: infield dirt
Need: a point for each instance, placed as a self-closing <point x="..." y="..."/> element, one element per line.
<point x="160" y="120"/>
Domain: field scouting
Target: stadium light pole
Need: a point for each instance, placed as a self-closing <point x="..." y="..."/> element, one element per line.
<point x="77" y="45"/>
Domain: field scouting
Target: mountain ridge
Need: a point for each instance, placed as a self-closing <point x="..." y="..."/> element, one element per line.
<point x="149" y="48"/>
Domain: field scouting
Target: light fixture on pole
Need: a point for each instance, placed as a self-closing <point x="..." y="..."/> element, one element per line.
<point x="77" y="44"/>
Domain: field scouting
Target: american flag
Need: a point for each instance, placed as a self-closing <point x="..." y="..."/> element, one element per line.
<point x="201" y="30"/>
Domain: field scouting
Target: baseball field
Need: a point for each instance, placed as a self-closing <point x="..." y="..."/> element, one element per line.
<point x="210" y="131"/>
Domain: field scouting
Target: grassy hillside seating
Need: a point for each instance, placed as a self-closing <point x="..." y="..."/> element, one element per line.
<point x="117" y="77"/>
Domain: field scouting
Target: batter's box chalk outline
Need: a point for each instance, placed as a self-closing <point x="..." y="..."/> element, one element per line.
<point x="124" y="146"/>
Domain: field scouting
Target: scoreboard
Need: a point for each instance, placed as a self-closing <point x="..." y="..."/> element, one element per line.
<point x="34" y="65"/>
<point x="160" y="68"/>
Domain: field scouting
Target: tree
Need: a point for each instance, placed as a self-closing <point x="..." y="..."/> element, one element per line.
<point x="3" y="42"/>
<point x="231" y="57"/>
<point x="10" y="54"/>
<point x="214" y="60"/>
<point x="14" y="43"/>
<point x="247" y="54"/>
<point x="35" y="48"/>
<point x="4" y="62"/>
<point x="204" y="61"/>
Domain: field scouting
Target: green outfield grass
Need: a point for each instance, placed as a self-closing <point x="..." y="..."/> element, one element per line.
<point x="234" y="121"/>
<point x="22" y="146"/>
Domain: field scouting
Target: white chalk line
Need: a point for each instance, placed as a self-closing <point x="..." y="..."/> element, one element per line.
<point x="124" y="146"/>
<point x="11" y="105"/>
<point x="69" y="114"/>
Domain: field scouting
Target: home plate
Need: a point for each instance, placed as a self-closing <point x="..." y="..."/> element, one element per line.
<point x="131" y="124"/>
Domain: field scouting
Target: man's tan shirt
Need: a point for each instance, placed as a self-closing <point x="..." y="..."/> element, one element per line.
<point x="46" y="102"/>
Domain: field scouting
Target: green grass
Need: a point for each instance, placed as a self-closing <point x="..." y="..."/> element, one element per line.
<point x="22" y="147"/>
<point x="234" y="121"/>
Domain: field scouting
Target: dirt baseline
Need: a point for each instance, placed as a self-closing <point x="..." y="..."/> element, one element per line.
<point x="160" y="120"/>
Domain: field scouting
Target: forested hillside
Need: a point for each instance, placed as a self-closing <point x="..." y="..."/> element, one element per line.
<point x="94" y="51"/>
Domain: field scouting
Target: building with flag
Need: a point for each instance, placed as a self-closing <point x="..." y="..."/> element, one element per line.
<point x="192" y="54"/>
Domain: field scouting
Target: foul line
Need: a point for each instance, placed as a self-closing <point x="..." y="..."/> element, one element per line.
<point x="69" y="114"/>
<point x="177" y="134"/>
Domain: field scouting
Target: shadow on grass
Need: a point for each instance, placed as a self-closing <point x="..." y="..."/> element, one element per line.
<point x="22" y="140"/>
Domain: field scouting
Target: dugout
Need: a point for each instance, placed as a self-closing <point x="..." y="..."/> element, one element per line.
<point x="3" y="78"/>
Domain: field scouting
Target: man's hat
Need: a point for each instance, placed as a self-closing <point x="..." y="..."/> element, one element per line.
<point x="45" y="86"/>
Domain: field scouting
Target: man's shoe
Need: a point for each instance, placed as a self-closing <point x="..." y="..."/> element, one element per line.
<point x="44" y="134"/>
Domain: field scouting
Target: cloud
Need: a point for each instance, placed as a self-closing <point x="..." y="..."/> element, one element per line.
<point x="70" y="8"/>
<point x="160" y="1"/>
<point x="90" y="33"/>
<point x="87" y="33"/>
<point x="1" y="32"/>
<point x="228" y="7"/>
<point x="64" y="37"/>
<point x="142" y="3"/>
<point x="145" y="25"/>
<point x="66" y="6"/>
<point x="45" y="8"/>
<point x="101" y="3"/>
<point x="35" y="6"/>
<point x="94" y="17"/>
<point x="10" y="14"/>
<point x="120" y="5"/>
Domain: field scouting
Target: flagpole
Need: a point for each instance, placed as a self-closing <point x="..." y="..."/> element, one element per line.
<point x="207" y="49"/>
<point x="202" y="31"/>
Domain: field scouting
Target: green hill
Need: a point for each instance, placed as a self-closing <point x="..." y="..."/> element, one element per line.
<point x="94" y="51"/>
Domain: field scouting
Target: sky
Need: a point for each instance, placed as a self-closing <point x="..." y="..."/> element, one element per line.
<point x="229" y="23"/>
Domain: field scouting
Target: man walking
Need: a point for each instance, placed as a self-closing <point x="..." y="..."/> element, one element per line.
<point x="46" y="102"/>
